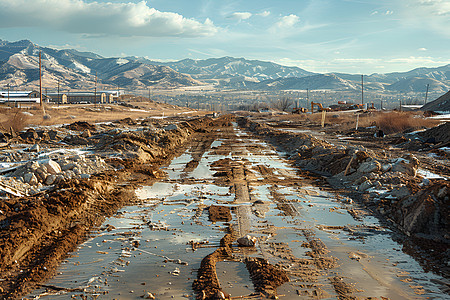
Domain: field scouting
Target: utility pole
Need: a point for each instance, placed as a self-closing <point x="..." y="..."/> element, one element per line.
<point x="95" y="91"/>
<point x="307" y="99"/>
<point x="40" y="80"/>
<point x="426" y="94"/>
<point x="149" y="94"/>
<point x="362" y="89"/>
<point x="59" y="100"/>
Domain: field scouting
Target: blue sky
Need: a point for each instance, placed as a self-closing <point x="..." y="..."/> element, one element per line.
<point x="352" y="36"/>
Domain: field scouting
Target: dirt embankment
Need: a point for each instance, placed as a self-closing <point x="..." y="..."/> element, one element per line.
<point x="37" y="232"/>
<point x="389" y="185"/>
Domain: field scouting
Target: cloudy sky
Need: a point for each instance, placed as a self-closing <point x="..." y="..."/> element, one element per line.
<point x="353" y="36"/>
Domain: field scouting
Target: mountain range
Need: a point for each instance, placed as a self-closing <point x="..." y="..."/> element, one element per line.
<point x="80" y="70"/>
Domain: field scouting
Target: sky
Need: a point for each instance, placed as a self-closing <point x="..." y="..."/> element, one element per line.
<point x="349" y="36"/>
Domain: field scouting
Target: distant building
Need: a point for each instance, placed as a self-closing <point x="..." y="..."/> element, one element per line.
<point x="19" y="97"/>
<point x="84" y="97"/>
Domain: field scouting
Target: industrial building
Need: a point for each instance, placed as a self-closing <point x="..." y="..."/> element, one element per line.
<point x="19" y="97"/>
<point x="84" y="97"/>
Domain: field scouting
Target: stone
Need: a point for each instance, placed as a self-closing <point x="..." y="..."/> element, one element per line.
<point x="369" y="167"/>
<point x="34" y="148"/>
<point x="68" y="166"/>
<point x="50" y="179"/>
<point x="365" y="186"/>
<point x="385" y="168"/>
<point x="30" y="178"/>
<point x="40" y="175"/>
<point x="75" y="140"/>
<point x="52" y="166"/>
<point x="400" y="192"/>
<point x="86" y="134"/>
<point x="247" y="241"/>
<point x="171" y="127"/>
<point x="53" y="134"/>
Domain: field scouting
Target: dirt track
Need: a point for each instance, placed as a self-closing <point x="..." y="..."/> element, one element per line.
<point x="183" y="223"/>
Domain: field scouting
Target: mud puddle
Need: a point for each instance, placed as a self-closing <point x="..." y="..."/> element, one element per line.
<point x="158" y="246"/>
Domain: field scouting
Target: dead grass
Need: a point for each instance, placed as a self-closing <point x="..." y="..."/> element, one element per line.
<point x="13" y="118"/>
<point x="393" y="122"/>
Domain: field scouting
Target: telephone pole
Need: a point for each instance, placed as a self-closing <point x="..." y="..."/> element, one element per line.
<point x="95" y="91"/>
<point x="362" y="89"/>
<point x="40" y="80"/>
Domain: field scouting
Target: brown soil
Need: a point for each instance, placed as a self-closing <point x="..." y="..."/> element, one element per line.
<point x="265" y="277"/>
<point x="422" y="214"/>
<point x="207" y="284"/>
<point x="37" y="232"/>
<point x="81" y="126"/>
<point x="219" y="213"/>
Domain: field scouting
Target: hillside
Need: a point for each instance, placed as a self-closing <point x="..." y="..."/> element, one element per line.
<point x="440" y="104"/>
<point x="77" y="70"/>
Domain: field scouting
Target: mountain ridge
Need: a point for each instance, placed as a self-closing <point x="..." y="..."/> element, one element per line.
<point x="77" y="70"/>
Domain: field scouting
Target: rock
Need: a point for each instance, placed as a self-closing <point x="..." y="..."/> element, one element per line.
<point x="442" y="192"/>
<point x="40" y="174"/>
<point x="34" y="148"/>
<point x="400" y="192"/>
<point x="407" y="164"/>
<point x="32" y="166"/>
<point x="365" y="186"/>
<point x="50" y="179"/>
<point x="369" y="167"/>
<point x="385" y="168"/>
<point x="377" y="185"/>
<point x="86" y="134"/>
<point x="75" y="140"/>
<point x="149" y="296"/>
<point x="171" y="127"/>
<point x="68" y="166"/>
<point x="59" y="178"/>
<point x="30" y="178"/>
<point x="52" y="166"/>
<point x="30" y="134"/>
<point x="53" y="134"/>
<point x="247" y="241"/>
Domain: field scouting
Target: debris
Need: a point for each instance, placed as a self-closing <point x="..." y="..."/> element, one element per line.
<point x="247" y="241"/>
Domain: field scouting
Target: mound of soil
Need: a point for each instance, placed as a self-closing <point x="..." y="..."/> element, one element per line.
<point x="81" y="126"/>
<point x="438" y="134"/>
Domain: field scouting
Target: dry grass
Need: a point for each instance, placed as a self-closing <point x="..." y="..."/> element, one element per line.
<point x="13" y="118"/>
<point x="389" y="122"/>
<point x="393" y="122"/>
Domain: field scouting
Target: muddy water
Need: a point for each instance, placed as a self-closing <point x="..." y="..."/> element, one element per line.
<point x="145" y="248"/>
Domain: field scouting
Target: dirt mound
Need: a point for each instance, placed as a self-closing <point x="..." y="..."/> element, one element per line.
<point x="440" y="104"/>
<point x="81" y="126"/>
<point x="219" y="213"/>
<point x="265" y="277"/>
<point x="438" y="134"/>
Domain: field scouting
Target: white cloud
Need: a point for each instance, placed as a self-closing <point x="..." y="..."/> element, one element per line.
<point x="374" y="12"/>
<point x="287" y="21"/>
<point x="422" y="49"/>
<point x="433" y="15"/>
<point x="100" y="18"/>
<point x="265" y="13"/>
<point x="389" y="12"/>
<point x="240" y="16"/>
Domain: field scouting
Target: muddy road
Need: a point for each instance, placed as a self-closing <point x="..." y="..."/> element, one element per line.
<point x="233" y="218"/>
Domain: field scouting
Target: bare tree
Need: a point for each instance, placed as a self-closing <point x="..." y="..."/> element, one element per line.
<point x="283" y="103"/>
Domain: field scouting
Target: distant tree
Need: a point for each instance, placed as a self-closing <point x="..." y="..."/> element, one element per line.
<point x="283" y="103"/>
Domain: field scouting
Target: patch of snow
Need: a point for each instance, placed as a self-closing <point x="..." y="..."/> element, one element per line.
<point x="429" y="175"/>
<point x="80" y="67"/>
<point x="122" y="61"/>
